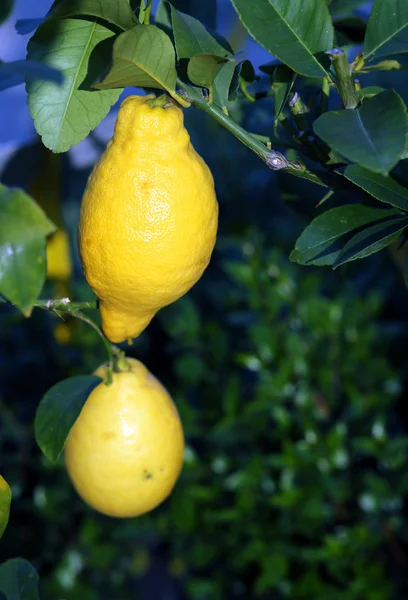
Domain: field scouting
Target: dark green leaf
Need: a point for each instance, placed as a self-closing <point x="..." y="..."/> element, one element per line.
<point x="117" y="12"/>
<point x="296" y="32"/>
<point x="58" y="411"/>
<point x="23" y="229"/>
<point x="143" y="57"/>
<point x="372" y="239"/>
<point x="372" y="136"/>
<point x="244" y="75"/>
<point x="382" y="187"/>
<point x="204" y="11"/>
<point x="14" y="73"/>
<point x="191" y="37"/>
<point x="63" y="116"/>
<point x="212" y="72"/>
<point x="162" y="17"/>
<point x="387" y="29"/>
<point x="19" y="580"/>
<point x="282" y="82"/>
<point x="323" y="240"/>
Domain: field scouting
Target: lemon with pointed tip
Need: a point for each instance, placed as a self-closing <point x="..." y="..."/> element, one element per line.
<point x="148" y="218"/>
<point x="124" y="453"/>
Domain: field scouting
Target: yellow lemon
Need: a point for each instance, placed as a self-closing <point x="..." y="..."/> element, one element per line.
<point x="125" y="451"/>
<point x="5" y="500"/>
<point x="59" y="264"/>
<point x="149" y="217"/>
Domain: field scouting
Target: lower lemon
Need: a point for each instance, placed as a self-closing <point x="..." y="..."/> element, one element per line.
<point x="124" y="453"/>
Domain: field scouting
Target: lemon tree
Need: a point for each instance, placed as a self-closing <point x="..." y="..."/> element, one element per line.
<point x="149" y="214"/>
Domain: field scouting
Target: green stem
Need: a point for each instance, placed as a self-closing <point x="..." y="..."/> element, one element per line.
<point x="299" y="112"/>
<point x="324" y="96"/>
<point x="147" y="13"/>
<point x="344" y="78"/>
<point x="274" y="159"/>
<point x="64" y="305"/>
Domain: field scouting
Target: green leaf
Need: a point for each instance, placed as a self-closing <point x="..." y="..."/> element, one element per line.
<point x="372" y="136"/>
<point x="382" y="187"/>
<point x="372" y="239"/>
<point x="282" y="82"/>
<point x="116" y="12"/>
<point x="205" y="12"/>
<point x="244" y="75"/>
<point x="80" y="49"/>
<point x="323" y="240"/>
<point x="58" y="410"/>
<point x="5" y="501"/>
<point x="19" y="580"/>
<point x="212" y="72"/>
<point x="142" y="57"/>
<point x="23" y="229"/>
<point x="387" y="29"/>
<point x="16" y="72"/>
<point x="296" y="32"/>
<point x="191" y="37"/>
<point x="383" y="65"/>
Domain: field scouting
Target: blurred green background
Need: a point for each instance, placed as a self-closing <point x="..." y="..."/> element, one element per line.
<point x="291" y="384"/>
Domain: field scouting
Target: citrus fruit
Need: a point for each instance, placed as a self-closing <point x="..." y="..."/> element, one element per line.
<point x="125" y="451"/>
<point x="148" y="218"/>
<point x="5" y="499"/>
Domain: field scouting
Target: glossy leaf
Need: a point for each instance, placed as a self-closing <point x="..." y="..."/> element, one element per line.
<point x="23" y="229"/>
<point x="282" y="81"/>
<point x="5" y="501"/>
<point x="58" y="411"/>
<point x="191" y="37"/>
<point x="19" y="580"/>
<point x="372" y="136"/>
<point x="116" y="12"/>
<point x="387" y="29"/>
<point x="296" y="32"/>
<point x="212" y="72"/>
<point x="323" y="240"/>
<point x="63" y="116"/>
<point x="143" y="57"/>
<point x="372" y="239"/>
<point x="16" y="72"/>
<point x="382" y="187"/>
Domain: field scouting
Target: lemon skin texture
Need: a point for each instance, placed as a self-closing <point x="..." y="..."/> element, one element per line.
<point x="125" y="452"/>
<point x="148" y="219"/>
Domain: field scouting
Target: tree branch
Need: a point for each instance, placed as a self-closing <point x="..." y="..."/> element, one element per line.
<point x="274" y="159"/>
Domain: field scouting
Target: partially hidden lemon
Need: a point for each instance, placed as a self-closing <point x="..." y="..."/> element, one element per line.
<point x="5" y="500"/>
<point x="125" y="452"/>
<point x="59" y="263"/>
<point x="148" y="218"/>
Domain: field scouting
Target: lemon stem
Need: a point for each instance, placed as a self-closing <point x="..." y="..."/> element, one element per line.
<point x="120" y="364"/>
<point x="162" y="101"/>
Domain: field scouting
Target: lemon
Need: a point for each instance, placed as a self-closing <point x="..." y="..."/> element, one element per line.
<point x="148" y="218"/>
<point x="5" y="500"/>
<point x="125" y="451"/>
<point x="59" y="264"/>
